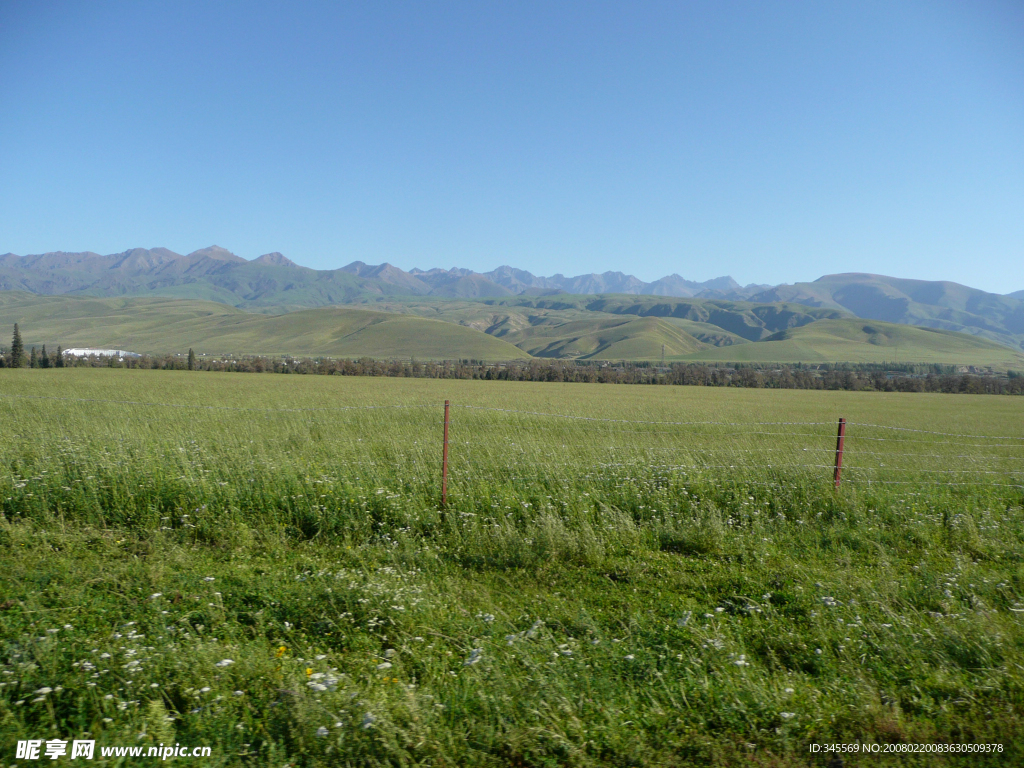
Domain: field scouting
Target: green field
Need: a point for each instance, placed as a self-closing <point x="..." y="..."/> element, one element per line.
<point x="259" y="564"/>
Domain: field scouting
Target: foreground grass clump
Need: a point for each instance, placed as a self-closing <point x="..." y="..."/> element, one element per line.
<point x="283" y="587"/>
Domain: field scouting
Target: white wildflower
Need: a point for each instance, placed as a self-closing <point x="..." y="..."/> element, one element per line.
<point x="321" y="731"/>
<point x="225" y="663"/>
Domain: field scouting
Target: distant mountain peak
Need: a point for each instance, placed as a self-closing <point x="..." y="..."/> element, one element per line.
<point x="724" y="284"/>
<point x="362" y="269"/>
<point x="359" y="268"/>
<point x="275" y="259"/>
<point x="216" y="253"/>
<point x="849" y="276"/>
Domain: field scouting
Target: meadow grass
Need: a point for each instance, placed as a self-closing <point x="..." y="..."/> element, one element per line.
<point x="238" y="561"/>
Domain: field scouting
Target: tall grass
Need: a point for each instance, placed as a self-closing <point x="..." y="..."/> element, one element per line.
<point x="633" y="592"/>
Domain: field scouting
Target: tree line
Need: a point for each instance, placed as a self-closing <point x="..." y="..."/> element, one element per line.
<point x="17" y="358"/>
<point x="850" y="377"/>
<point x="891" y="377"/>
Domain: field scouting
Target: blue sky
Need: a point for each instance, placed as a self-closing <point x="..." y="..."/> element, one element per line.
<point x="775" y="142"/>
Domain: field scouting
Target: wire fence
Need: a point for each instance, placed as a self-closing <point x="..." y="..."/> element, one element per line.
<point x="491" y="444"/>
<point x="810" y="447"/>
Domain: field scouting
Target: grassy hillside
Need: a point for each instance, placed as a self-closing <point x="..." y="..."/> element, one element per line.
<point x="739" y="318"/>
<point x="596" y="327"/>
<point x="564" y="321"/>
<point x="168" y="325"/>
<point x="934" y="304"/>
<point x="588" y="328"/>
<point x="639" y="338"/>
<point x="868" y="341"/>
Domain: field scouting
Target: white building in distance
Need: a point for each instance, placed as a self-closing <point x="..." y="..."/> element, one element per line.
<point x="86" y="351"/>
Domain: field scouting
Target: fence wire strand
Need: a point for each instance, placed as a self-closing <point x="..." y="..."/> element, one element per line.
<point x="470" y="441"/>
<point x="930" y="432"/>
<point x="194" y="406"/>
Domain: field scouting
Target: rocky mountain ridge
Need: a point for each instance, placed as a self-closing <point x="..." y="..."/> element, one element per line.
<point x="274" y="283"/>
<point x="70" y="272"/>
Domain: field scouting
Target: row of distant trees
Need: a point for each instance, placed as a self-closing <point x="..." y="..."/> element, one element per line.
<point x="900" y="377"/>
<point x="19" y="359"/>
<point x="862" y="377"/>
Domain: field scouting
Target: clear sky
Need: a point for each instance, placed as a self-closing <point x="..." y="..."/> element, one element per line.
<point x="775" y="142"/>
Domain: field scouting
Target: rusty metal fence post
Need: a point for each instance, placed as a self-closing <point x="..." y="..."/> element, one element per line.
<point x="444" y="460"/>
<point x="839" y="450"/>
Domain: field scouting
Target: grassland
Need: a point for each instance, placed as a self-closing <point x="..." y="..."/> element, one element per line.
<point x="573" y="327"/>
<point x="172" y="325"/>
<point x="866" y="341"/>
<point x="241" y="562"/>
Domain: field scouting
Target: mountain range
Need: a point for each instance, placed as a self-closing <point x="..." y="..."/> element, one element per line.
<point x="263" y="280"/>
<point x="272" y="283"/>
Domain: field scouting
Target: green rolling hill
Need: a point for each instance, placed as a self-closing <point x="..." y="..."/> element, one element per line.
<point x="867" y="341"/>
<point x="168" y="325"/>
<point x="432" y="328"/>
<point x="640" y="338"/>
<point x="712" y="322"/>
<point x="932" y="304"/>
